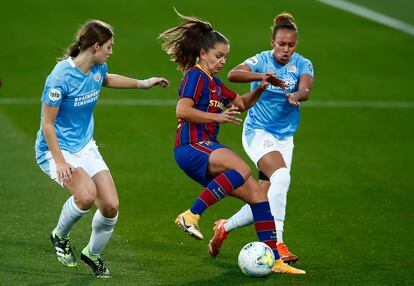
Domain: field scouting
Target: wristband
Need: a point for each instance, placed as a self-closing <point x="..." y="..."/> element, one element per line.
<point x="143" y="84"/>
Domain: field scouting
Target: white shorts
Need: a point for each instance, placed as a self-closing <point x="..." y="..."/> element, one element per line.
<point x="260" y="142"/>
<point x="88" y="159"/>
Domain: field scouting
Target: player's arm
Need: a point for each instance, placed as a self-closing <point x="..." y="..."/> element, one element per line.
<point x="242" y="73"/>
<point x="119" y="81"/>
<point x="63" y="170"/>
<point x="247" y="100"/>
<point x="185" y="110"/>
<point x="304" y="90"/>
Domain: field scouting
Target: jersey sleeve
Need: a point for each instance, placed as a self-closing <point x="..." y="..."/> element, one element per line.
<point x="305" y="67"/>
<point x="255" y="63"/>
<point x="55" y="90"/>
<point x="192" y="85"/>
<point x="228" y="95"/>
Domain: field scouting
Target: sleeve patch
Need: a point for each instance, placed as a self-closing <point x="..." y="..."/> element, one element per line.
<point x="55" y="94"/>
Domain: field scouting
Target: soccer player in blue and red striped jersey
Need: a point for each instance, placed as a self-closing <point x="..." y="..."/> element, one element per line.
<point x="201" y="53"/>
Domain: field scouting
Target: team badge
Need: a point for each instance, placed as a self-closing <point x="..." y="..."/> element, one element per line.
<point x="252" y="61"/>
<point x="55" y="94"/>
<point x="208" y="143"/>
<point x="98" y="76"/>
<point x="291" y="69"/>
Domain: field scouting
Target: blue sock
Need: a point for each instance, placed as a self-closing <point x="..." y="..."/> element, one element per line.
<point x="265" y="225"/>
<point x="221" y="186"/>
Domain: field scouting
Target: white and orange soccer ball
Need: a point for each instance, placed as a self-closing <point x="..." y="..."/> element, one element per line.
<point x="256" y="259"/>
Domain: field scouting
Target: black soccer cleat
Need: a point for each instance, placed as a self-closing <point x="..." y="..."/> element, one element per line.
<point x="96" y="264"/>
<point x="64" y="251"/>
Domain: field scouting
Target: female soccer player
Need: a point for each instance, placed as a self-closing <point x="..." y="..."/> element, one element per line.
<point x="270" y="125"/>
<point x="201" y="53"/>
<point x="65" y="147"/>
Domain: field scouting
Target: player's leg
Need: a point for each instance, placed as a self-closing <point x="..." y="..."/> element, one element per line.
<point x="225" y="159"/>
<point x="103" y="223"/>
<point x="83" y="196"/>
<point x="225" y="180"/>
<point x="223" y="227"/>
<point x="276" y="166"/>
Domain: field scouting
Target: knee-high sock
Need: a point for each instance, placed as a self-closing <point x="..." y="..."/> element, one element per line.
<point x="69" y="215"/>
<point x="277" y="194"/>
<point x="221" y="186"/>
<point x="102" y="228"/>
<point x="265" y="225"/>
<point x="243" y="217"/>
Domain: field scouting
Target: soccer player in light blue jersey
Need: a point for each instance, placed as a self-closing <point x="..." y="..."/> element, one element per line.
<point x="270" y="125"/>
<point x="65" y="147"/>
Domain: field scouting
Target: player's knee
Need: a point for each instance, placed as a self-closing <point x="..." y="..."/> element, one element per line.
<point x="87" y="196"/>
<point x="110" y="210"/>
<point x="245" y="171"/>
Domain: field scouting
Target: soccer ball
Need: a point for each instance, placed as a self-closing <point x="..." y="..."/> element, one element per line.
<point x="256" y="259"/>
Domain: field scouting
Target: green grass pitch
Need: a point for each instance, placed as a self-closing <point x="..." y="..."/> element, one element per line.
<point x="350" y="206"/>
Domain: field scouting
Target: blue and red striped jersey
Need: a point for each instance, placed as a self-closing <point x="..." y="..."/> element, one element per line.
<point x="209" y="95"/>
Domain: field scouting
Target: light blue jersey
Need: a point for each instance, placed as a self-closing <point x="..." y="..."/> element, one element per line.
<point x="273" y="112"/>
<point x="76" y="94"/>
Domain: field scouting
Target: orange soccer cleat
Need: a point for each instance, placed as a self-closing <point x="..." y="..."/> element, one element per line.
<point x="281" y="267"/>
<point x="220" y="235"/>
<point x="188" y="222"/>
<point x="285" y="254"/>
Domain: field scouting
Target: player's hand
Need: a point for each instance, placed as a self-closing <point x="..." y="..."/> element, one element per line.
<point x="273" y="80"/>
<point x="64" y="172"/>
<point x="153" y="81"/>
<point x="293" y="98"/>
<point x="265" y="81"/>
<point x="229" y="115"/>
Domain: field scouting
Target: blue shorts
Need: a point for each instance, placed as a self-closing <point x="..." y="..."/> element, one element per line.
<point x="193" y="159"/>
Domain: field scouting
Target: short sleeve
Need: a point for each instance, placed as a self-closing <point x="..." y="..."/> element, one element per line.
<point x="306" y="67"/>
<point x="192" y="85"/>
<point x="54" y="91"/>
<point x="228" y="95"/>
<point x="255" y="63"/>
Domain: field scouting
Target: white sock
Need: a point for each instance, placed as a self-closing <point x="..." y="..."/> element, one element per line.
<point x="102" y="228"/>
<point x="279" y="230"/>
<point x="243" y="217"/>
<point x="277" y="194"/>
<point x="69" y="215"/>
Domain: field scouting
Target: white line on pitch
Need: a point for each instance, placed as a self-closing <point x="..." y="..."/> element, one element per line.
<point x="173" y="102"/>
<point x="370" y="14"/>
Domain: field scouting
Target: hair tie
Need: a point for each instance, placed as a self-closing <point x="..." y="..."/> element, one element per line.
<point x="285" y="25"/>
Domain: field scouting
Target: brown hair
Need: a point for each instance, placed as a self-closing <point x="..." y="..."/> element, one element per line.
<point x="184" y="42"/>
<point x="93" y="31"/>
<point x="283" y="21"/>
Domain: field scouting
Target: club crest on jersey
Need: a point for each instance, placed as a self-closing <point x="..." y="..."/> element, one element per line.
<point x="55" y="94"/>
<point x="98" y="76"/>
<point x="291" y="69"/>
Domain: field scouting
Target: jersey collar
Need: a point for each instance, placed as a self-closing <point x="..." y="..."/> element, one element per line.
<point x="204" y="71"/>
